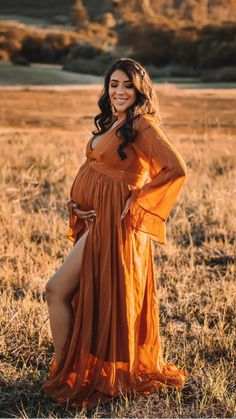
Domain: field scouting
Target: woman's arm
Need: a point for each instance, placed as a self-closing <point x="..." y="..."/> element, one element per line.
<point x="151" y="204"/>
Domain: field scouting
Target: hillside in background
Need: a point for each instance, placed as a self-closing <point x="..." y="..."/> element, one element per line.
<point x="51" y="11"/>
<point x="187" y="37"/>
<point x="172" y="12"/>
<point x="196" y="12"/>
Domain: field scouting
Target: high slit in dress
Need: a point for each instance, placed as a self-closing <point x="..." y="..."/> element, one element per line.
<point x="114" y="344"/>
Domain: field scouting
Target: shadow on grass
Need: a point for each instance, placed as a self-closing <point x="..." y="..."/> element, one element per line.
<point x="24" y="398"/>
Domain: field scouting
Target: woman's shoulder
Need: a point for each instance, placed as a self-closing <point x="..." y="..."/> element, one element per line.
<point x="150" y="131"/>
<point x="143" y="122"/>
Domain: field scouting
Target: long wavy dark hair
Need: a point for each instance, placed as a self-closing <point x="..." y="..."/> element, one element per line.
<point x="146" y="102"/>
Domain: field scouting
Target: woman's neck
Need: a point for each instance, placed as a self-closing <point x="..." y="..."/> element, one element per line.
<point x="120" y="117"/>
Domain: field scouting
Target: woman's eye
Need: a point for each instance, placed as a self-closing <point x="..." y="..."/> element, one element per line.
<point x="128" y="86"/>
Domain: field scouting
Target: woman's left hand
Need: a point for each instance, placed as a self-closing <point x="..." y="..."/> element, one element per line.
<point x="126" y="208"/>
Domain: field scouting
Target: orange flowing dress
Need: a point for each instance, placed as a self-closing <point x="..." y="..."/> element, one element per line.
<point x="114" y="343"/>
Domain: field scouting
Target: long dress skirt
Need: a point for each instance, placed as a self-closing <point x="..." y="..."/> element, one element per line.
<point x="114" y="345"/>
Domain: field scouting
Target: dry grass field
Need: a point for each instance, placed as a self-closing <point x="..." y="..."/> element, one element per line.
<point x="43" y="136"/>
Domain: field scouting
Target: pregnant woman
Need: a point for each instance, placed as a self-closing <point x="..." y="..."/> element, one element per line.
<point x="103" y="302"/>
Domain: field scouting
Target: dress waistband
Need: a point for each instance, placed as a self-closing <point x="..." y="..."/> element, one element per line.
<point x="134" y="179"/>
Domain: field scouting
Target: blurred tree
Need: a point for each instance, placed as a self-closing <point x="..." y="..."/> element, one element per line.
<point x="184" y="51"/>
<point x="150" y="44"/>
<point x="79" y="14"/>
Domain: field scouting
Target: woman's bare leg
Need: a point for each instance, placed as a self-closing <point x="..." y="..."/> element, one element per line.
<point x="59" y="290"/>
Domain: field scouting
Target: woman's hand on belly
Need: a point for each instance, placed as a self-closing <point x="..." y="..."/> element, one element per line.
<point x="87" y="216"/>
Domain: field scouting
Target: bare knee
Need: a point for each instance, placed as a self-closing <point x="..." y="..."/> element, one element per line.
<point x="54" y="292"/>
<point x="51" y="290"/>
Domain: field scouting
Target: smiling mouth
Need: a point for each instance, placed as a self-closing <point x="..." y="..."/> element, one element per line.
<point x="120" y="101"/>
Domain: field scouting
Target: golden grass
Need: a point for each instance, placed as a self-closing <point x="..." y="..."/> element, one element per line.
<point x="43" y="135"/>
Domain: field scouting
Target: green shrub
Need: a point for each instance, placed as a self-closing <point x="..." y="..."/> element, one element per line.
<point x="224" y="74"/>
<point x="96" y="65"/>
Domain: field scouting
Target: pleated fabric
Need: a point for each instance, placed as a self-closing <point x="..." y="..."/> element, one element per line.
<point x="114" y="345"/>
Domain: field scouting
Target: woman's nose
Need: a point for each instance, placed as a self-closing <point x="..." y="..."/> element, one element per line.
<point x="120" y="90"/>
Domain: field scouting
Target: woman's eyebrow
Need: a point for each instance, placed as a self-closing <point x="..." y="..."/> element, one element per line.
<point x="118" y="80"/>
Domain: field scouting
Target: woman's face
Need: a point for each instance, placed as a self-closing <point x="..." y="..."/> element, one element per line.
<point x="122" y="92"/>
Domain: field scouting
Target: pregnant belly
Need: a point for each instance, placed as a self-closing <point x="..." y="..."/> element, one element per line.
<point x="84" y="188"/>
<point x="93" y="190"/>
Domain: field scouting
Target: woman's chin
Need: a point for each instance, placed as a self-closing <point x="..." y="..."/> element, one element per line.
<point x="121" y="109"/>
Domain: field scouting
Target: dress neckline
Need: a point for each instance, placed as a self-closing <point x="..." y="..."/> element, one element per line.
<point x="104" y="134"/>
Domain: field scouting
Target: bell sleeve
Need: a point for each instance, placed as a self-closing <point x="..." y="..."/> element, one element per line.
<point x="151" y="204"/>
